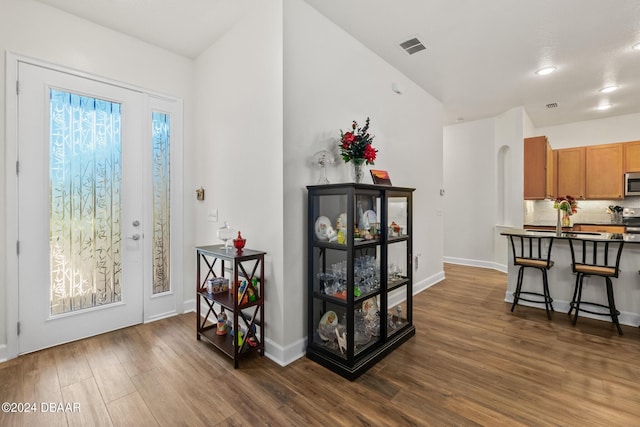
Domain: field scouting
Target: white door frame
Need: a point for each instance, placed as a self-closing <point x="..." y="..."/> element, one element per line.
<point x="11" y="200"/>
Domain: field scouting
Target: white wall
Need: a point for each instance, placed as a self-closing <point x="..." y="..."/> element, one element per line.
<point x="528" y="128"/>
<point x="330" y="80"/>
<point x="509" y="131"/>
<point x="592" y="132"/>
<point x="483" y="172"/>
<point x="237" y="157"/>
<point x="33" y="29"/>
<point x="469" y="181"/>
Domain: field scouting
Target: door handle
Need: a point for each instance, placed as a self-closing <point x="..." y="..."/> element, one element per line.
<point x="134" y="237"/>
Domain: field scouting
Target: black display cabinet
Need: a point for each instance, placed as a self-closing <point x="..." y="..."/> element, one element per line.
<point x="359" y="274"/>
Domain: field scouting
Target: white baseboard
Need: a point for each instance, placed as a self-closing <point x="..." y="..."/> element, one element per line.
<point x="285" y="355"/>
<point x="428" y="282"/>
<point x="161" y="316"/>
<point x="559" y="306"/>
<point x="189" y="305"/>
<point x="476" y="263"/>
<point x="3" y="353"/>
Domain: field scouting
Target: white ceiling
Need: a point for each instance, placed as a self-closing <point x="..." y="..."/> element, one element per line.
<point x="480" y="58"/>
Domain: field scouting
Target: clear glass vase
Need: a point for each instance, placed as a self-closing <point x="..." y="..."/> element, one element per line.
<point x="357" y="170"/>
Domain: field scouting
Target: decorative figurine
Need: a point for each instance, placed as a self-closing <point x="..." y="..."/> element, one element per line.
<point x="342" y="341"/>
<point x="251" y="294"/>
<point x="222" y="324"/>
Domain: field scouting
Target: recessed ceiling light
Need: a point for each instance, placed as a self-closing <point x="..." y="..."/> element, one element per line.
<point x="609" y="89"/>
<point x="636" y="46"/>
<point x="604" y="107"/>
<point x="546" y="70"/>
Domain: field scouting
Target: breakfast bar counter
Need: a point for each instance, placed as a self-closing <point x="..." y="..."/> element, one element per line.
<point x="562" y="279"/>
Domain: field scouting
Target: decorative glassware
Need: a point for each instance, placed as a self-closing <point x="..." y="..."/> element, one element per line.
<point x="225" y="233"/>
<point x="357" y="170"/>
<point x="239" y="242"/>
<point x="322" y="159"/>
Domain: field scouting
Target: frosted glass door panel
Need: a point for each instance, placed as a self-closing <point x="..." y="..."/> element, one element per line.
<point x="85" y="214"/>
<point x="161" y="149"/>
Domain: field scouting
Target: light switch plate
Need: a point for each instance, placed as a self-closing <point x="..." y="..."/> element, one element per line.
<point x="213" y="215"/>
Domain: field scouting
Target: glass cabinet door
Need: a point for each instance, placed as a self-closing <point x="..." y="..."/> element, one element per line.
<point x="330" y="218"/>
<point x="399" y="265"/>
<point x="334" y="283"/>
<point x="367" y="217"/>
<point x="346" y="271"/>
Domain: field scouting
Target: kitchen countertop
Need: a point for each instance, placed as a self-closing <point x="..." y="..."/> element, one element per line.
<point x="584" y="235"/>
<point x="544" y="224"/>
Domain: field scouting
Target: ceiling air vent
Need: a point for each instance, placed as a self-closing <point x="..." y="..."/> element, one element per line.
<point x="412" y="46"/>
<point x="552" y="105"/>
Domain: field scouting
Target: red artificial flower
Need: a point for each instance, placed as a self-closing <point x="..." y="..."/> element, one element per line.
<point x="347" y="139"/>
<point x="370" y="153"/>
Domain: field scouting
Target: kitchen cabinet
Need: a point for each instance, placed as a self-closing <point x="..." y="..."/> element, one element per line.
<point x="604" y="171"/>
<point x="632" y="156"/>
<point x="570" y="170"/>
<point x="538" y="169"/>
<point x="360" y="274"/>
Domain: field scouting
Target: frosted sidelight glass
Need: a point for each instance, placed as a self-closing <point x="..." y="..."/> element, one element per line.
<point x="85" y="213"/>
<point x="161" y="125"/>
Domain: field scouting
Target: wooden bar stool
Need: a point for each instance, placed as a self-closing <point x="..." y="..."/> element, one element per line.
<point x="532" y="252"/>
<point x="595" y="258"/>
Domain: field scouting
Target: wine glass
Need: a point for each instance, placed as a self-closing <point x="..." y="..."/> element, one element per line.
<point x="225" y="233"/>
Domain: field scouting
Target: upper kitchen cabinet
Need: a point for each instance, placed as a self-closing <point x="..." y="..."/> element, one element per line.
<point x="604" y="171"/>
<point x="538" y="169"/>
<point x="570" y="170"/>
<point x="632" y="156"/>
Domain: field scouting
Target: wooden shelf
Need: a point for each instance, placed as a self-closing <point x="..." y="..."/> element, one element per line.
<point x="247" y="264"/>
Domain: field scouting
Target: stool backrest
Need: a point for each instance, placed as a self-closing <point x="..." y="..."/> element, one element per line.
<point x="531" y="247"/>
<point x="597" y="253"/>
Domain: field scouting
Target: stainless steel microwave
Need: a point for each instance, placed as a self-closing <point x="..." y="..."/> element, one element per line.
<point x="632" y="184"/>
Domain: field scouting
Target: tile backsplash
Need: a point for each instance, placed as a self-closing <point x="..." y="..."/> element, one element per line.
<point x="589" y="211"/>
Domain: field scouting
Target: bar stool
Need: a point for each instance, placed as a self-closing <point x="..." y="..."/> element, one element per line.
<point x="595" y="258"/>
<point x="532" y="252"/>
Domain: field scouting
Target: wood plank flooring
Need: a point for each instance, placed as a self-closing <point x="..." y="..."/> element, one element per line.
<point x="472" y="362"/>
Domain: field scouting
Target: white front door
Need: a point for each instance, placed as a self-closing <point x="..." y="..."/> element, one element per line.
<point x="81" y="207"/>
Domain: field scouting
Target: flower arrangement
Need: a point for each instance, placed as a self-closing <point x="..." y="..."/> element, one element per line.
<point x="356" y="144"/>
<point x="567" y="203"/>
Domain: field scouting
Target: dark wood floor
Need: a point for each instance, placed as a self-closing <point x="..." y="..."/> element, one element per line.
<point x="472" y="362"/>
